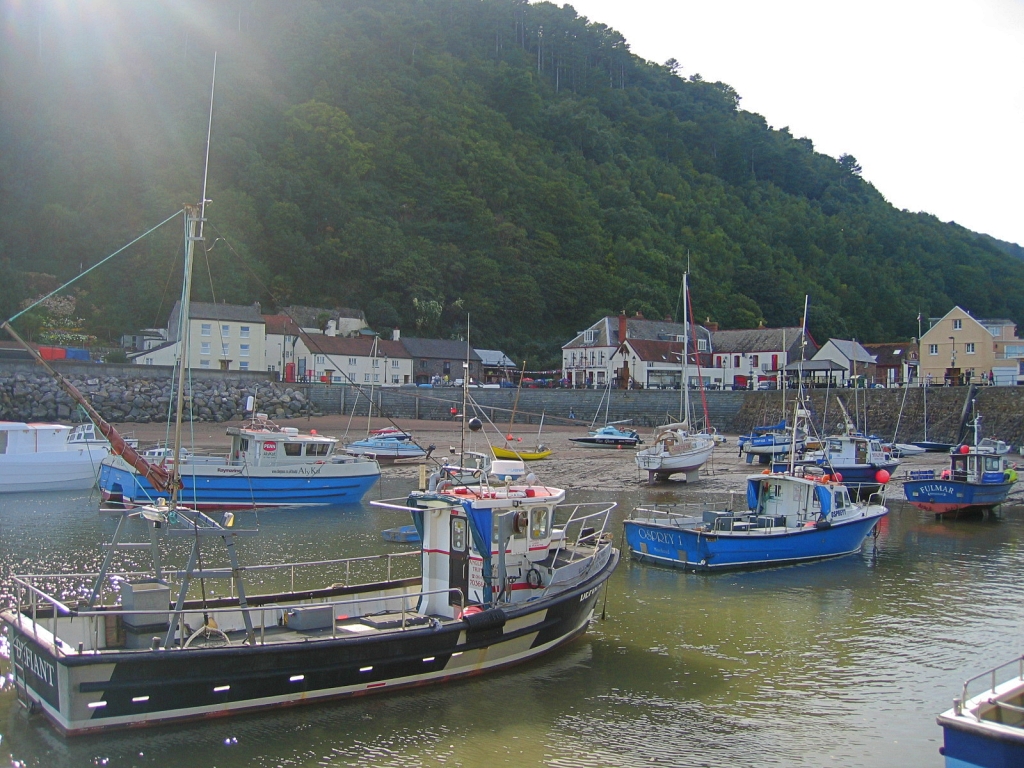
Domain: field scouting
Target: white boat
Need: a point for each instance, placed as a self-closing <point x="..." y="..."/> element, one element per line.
<point x="675" y="451"/>
<point x="904" y="450"/>
<point x="42" y="457"/>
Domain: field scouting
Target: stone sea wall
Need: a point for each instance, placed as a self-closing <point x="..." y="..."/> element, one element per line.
<point x="140" y="399"/>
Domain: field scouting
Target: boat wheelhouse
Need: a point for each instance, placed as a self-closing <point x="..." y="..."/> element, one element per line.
<point x="862" y="461"/>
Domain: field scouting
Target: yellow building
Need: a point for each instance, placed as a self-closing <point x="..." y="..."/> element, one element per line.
<point x="960" y="349"/>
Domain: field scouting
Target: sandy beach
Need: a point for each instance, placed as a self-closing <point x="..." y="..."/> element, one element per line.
<point x="570" y="466"/>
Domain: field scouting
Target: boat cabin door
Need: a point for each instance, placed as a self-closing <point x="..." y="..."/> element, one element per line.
<point x="458" y="559"/>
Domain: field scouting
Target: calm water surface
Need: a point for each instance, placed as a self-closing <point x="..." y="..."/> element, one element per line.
<point x="838" y="663"/>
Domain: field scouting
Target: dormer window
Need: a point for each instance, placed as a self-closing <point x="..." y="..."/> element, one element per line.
<point x="589" y="337"/>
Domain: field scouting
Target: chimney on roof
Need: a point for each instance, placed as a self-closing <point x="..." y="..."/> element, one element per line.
<point x="711" y="325"/>
<point x="622" y="327"/>
<point x="259" y="307"/>
<point x="639" y="315"/>
<point x="396" y="334"/>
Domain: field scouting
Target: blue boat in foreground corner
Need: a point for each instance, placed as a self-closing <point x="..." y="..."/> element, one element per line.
<point x="791" y="518"/>
<point x="987" y="729"/>
<point x="978" y="479"/>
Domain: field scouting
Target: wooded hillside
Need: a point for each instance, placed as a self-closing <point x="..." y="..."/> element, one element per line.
<point x="421" y="159"/>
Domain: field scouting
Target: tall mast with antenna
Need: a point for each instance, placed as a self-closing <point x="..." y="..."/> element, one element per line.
<point x="684" y="370"/>
<point x="195" y="217"/>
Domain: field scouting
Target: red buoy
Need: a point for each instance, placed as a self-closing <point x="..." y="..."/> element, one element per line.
<point x="882" y="476"/>
<point x="965" y="449"/>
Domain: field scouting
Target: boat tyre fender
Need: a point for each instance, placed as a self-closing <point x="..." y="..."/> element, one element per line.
<point x="534" y="579"/>
<point x="493" y="618"/>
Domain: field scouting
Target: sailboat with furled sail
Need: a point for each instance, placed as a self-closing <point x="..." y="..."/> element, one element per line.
<point x="676" y="449"/>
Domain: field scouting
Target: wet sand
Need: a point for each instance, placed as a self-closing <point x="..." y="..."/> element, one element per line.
<point x="570" y="466"/>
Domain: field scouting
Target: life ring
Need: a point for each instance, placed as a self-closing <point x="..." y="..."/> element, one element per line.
<point x="520" y="521"/>
<point x="945" y="475"/>
<point x="534" y="579"/>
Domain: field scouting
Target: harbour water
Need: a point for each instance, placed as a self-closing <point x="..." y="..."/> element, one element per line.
<point x="845" y="662"/>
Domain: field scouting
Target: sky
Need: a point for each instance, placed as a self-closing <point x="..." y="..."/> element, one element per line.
<point x="928" y="95"/>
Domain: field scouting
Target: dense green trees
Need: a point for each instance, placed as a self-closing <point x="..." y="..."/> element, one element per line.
<point x="425" y="159"/>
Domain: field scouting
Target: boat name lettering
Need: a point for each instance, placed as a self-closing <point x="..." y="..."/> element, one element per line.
<point x="661" y="537"/>
<point x="229" y="470"/>
<point x="32" y="661"/>
<point x="937" y="488"/>
<point x="588" y="593"/>
<point x="310" y="470"/>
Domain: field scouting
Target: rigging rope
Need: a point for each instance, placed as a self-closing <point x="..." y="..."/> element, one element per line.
<point x="94" y="266"/>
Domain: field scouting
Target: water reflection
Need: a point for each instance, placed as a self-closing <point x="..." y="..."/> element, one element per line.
<point x="846" y="661"/>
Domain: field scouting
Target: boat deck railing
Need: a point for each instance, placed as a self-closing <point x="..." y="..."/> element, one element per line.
<point x="992" y="676"/>
<point x="681" y="513"/>
<point x="338" y="572"/>
<point x="583" y="530"/>
<point x="94" y="621"/>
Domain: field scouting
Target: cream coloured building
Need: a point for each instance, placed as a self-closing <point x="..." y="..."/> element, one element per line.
<point x="961" y="349"/>
<point x="224" y="337"/>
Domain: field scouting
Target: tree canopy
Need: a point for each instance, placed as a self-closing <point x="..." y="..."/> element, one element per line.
<point x="425" y="159"/>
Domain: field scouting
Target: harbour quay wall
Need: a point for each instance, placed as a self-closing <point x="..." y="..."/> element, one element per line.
<point x="132" y="393"/>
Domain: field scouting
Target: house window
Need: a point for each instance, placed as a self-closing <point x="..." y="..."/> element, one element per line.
<point x="958" y="325"/>
<point x="149" y="361"/>
<point x="394" y="363"/>
<point x="224" y="350"/>
<point x="735" y="361"/>
<point x="970" y="347"/>
<point x="423" y="363"/>
<point x="225" y="331"/>
<point x="394" y="379"/>
<point x="933" y="349"/>
<point x="204" y="348"/>
<point x="601" y="358"/>
<point x="376" y="362"/>
<point x="718" y="362"/>
<point x="366" y="377"/>
<point x="589" y="337"/>
<point x="204" y="363"/>
<point x="753" y="361"/>
<point x="244" y="332"/>
<point x="320" y="360"/>
<point x="243" y="350"/>
<point x="351" y="361"/>
<point x="702" y="345"/>
<point x="244" y="365"/>
<point x="376" y="378"/>
<point x="206" y="329"/>
<point x="592" y="357"/>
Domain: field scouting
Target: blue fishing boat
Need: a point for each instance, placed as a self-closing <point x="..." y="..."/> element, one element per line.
<point x="862" y="462"/>
<point x="790" y="518"/>
<point x="978" y="479"/>
<point x="267" y="466"/>
<point x="986" y="730"/>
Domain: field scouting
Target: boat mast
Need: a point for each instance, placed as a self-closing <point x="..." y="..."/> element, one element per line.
<point x="465" y="397"/>
<point x="920" y="379"/>
<point x="684" y="388"/>
<point x="195" y="217"/>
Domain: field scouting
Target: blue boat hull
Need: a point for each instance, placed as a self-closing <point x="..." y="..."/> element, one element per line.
<point x="683" y="548"/>
<point x="238" y="491"/>
<point x="952" y="496"/>
<point x="964" y="748"/>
